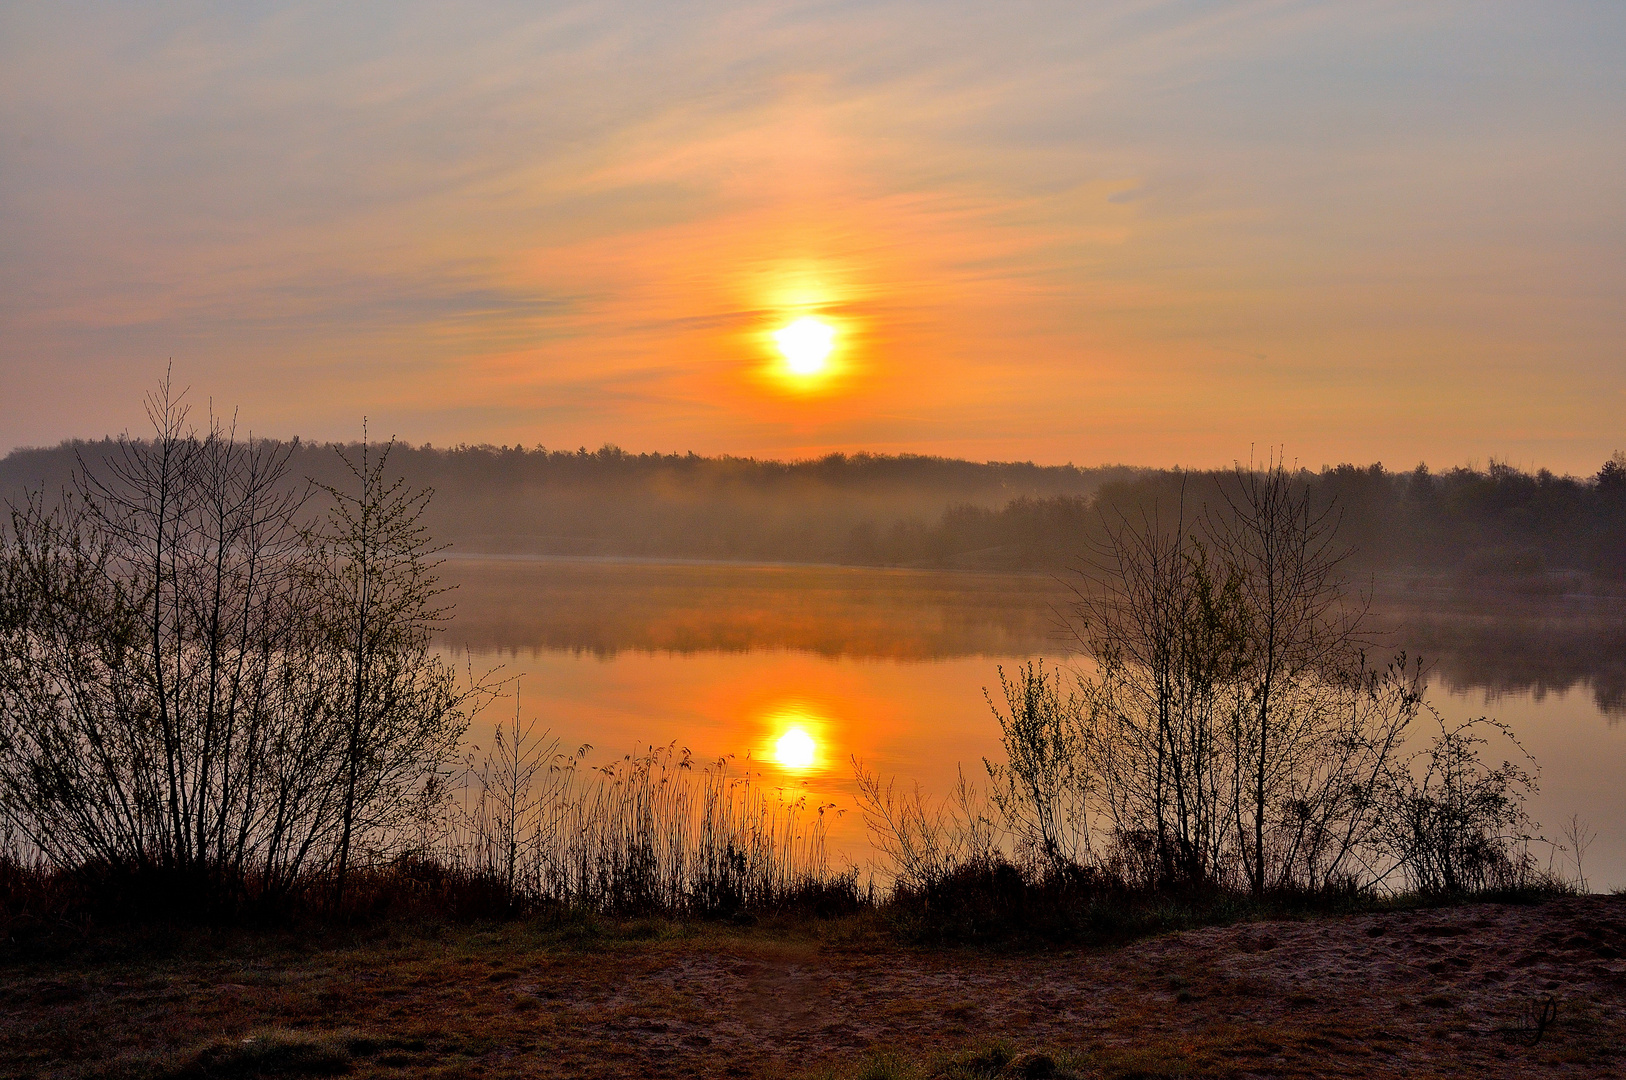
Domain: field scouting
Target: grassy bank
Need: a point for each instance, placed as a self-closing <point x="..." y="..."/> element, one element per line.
<point x="989" y="905"/>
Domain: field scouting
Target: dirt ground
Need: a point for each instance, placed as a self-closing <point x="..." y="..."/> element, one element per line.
<point x="1445" y="992"/>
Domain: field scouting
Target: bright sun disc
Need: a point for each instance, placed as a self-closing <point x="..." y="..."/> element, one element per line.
<point x="794" y="750"/>
<point x="806" y="344"/>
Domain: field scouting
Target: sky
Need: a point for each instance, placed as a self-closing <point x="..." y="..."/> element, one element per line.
<point x="1152" y="233"/>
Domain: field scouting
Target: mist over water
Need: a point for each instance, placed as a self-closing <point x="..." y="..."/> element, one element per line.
<point x="890" y="666"/>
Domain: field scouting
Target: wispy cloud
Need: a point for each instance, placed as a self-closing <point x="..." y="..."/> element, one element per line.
<point x="1054" y="228"/>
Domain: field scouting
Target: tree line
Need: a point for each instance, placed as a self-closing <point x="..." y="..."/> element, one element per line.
<point x="919" y="511"/>
<point x="1495" y="523"/>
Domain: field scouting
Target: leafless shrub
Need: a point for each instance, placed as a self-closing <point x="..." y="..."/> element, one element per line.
<point x="1580" y="834"/>
<point x="1043" y="788"/>
<point x="1299" y="654"/>
<point x="194" y="684"/>
<point x="518" y="782"/>
<point x="924" y="841"/>
<point x="1163" y="624"/>
<point x="372" y="569"/>
<point x="1232" y="731"/>
<point x="1453" y="823"/>
<point x="1231" y="734"/>
<point x="1535" y="1016"/>
<point x="1236" y="734"/>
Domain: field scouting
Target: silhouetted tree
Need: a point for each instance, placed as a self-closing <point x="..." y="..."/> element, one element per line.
<point x="1236" y="732"/>
<point x="195" y="684"/>
<point x="403" y="712"/>
<point x="1043" y="787"/>
<point x="1162" y="621"/>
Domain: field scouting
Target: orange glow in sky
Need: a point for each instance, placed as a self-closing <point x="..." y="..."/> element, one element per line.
<point x="1141" y="233"/>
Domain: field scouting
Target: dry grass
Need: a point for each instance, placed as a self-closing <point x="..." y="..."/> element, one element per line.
<point x="1446" y="992"/>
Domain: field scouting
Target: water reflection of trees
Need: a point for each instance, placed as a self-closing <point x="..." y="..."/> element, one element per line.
<point x="1474" y="639"/>
<point x="604" y="608"/>
<point x="1509" y="648"/>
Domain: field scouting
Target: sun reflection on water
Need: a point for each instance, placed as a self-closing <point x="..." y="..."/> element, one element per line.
<point x="795" y="749"/>
<point x="795" y="734"/>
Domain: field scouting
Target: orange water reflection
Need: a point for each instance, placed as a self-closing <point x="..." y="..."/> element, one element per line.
<point x="917" y="720"/>
<point x="885" y="666"/>
<point x="795" y="746"/>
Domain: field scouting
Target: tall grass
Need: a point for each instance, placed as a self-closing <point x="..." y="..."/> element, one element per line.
<point x="529" y="830"/>
<point x="651" y="833"/>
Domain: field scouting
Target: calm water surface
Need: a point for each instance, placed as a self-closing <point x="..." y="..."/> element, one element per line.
<point x="890" y="666"/>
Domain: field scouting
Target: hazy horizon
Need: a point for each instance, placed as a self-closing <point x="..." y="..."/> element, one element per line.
<point x="1261" y="455"/>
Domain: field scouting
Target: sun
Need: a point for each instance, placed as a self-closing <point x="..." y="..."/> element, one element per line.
<point x="795" y="749"/>
<point x="806" y="345"/>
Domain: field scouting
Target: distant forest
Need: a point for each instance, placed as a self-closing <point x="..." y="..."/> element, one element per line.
<point x="917" y="511"/>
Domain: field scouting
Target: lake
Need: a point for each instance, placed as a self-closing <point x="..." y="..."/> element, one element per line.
<point x="890" y="667"/>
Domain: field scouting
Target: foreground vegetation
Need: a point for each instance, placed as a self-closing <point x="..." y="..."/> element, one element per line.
<point x="214" y="701"/>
